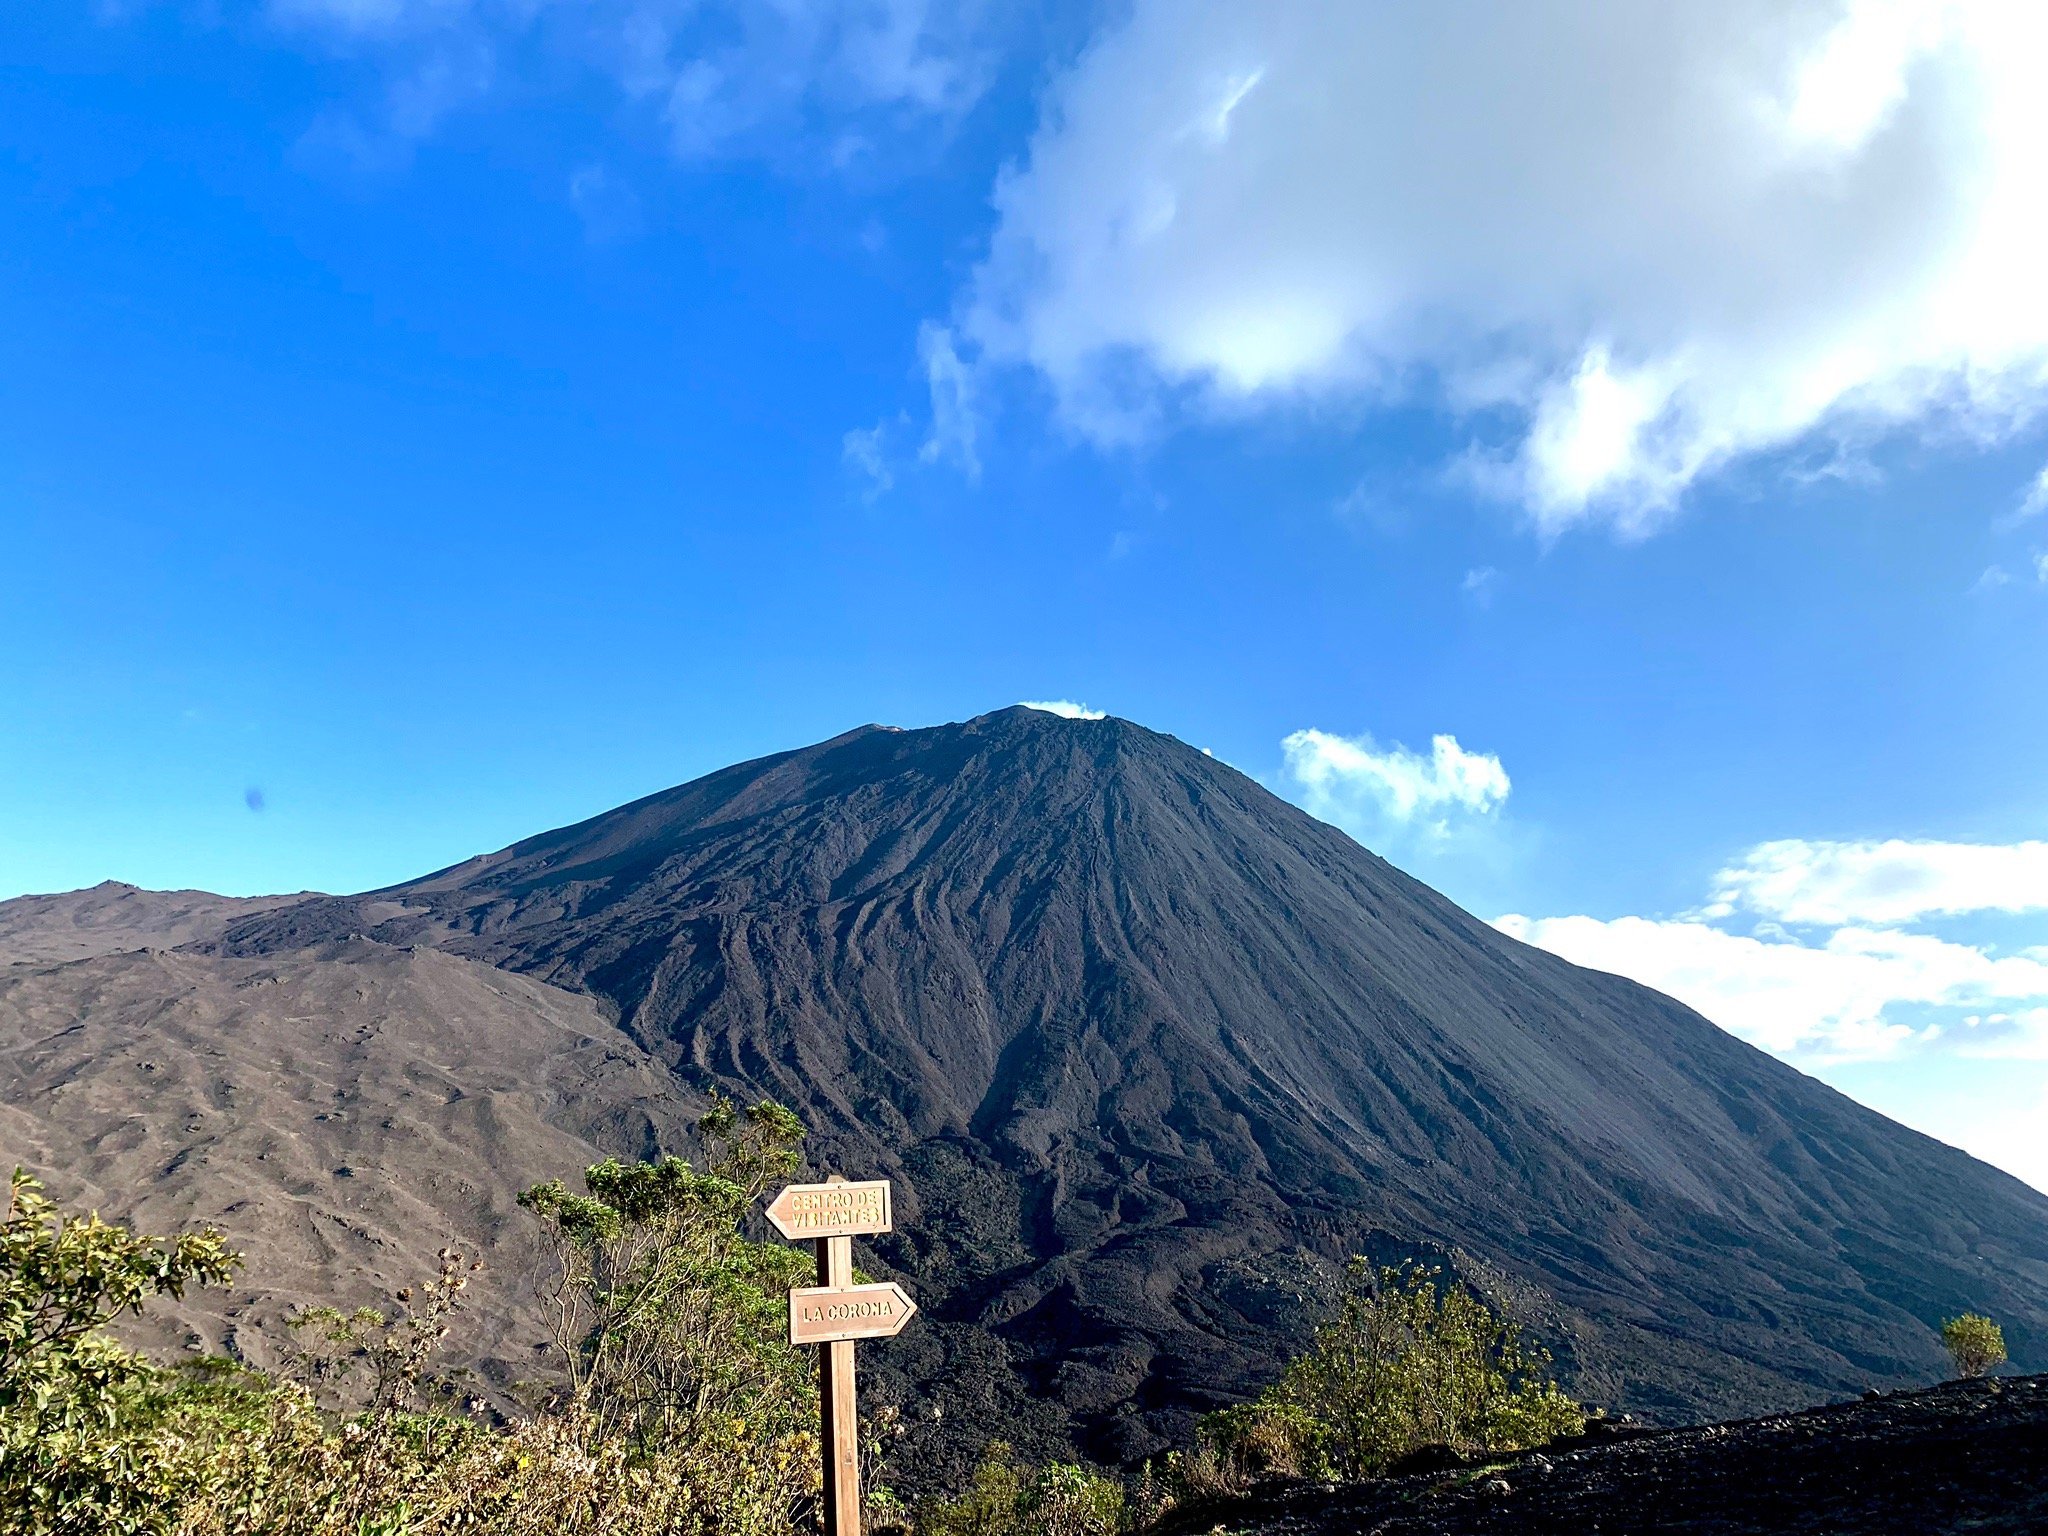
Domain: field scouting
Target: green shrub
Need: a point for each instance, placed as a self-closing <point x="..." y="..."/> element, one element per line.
<point x="1975" y="1343"/>
<point x="667" y="1318"/>
<point x="686" y="1412"/>
<point x="78" y="1444"/>
<point x="1008" y="1498"/>
<point x="1405" y="1363"/>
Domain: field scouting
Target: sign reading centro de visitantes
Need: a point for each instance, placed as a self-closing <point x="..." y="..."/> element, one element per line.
<point x="845" y="1209"/>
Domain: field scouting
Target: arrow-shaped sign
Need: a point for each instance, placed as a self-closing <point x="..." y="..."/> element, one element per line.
<point x="841" y="1209"/>
<point x="834" y="1314"/>
<point x="831" y="1314"/>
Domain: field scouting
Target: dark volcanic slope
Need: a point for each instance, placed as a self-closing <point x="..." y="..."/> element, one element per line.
<point x="1968" y="1457"/>
<point x="1149" y="1047"/>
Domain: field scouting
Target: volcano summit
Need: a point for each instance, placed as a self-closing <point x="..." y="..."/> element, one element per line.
<point x="1147" y="1052"/>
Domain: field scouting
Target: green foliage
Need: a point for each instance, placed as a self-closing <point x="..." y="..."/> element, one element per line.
<point x="1405" y="1363"/>
<point x="687" y="1413"/>
<point x="293" y="1471"/>
<point x="387" y="1353"/>
<point x="1975" y="1343"/>
<point x="77" y="1452"/>
<point x="667" y="1318"/>
<point x="672" y="1326"/>
<point x="1008" y="1498"/>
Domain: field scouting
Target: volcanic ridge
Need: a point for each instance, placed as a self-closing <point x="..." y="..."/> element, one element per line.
<point x="1147" y="1050"/>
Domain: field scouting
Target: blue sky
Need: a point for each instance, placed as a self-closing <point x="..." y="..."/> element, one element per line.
<point x="428" y="421"/>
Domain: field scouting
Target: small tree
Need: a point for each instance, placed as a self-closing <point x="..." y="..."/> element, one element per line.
<point x="1405" y="1363"/>
<point x="673" y="1326"/>
<point x="75" y="1452"/>
<point x="1975" y="1343"/>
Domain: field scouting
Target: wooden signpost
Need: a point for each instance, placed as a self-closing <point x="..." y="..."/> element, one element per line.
<point x="835" y="1313"/>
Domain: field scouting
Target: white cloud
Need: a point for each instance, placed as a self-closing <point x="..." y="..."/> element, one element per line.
<point x="861" y="451"/>
<point x="1066" y="709"/>
<point x="1650" y="239"/>
<point x="2032" y="504"/>
<point x="1857" y="984"/>
<point x="1861" y="992"/>
<point x="1994" y="577"/>
<point x="1355" y="784"/>
<point x="1896" y="881"/>
<point x="954" y="424"/>
<point x="1480" y="586"/>
<point x="1999" y="1121"/>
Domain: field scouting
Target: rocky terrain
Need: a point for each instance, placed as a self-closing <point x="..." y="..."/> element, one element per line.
<point x="112" y="917"/>
<point x="1968" y="1457"/>
<point x="1148" y="1051"/>
<point x="342" y="1115"/>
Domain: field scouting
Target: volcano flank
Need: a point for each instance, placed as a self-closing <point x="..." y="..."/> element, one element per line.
<point x="1146" y="1050"/>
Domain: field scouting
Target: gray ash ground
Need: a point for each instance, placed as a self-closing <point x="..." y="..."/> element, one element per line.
<point x="1969" y="1456"/>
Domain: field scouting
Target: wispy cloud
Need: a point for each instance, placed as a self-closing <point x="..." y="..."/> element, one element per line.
<point x="2033" y="502"/>
<point x="862" y="452"/>
<point x="1994" y="577"/>
<point x="955" y="428"/>
<point x="808" y="80"/>
<point x="606" y="203"/>
<point x="429" y="80"/>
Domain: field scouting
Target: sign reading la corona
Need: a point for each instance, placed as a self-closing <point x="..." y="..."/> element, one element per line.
<point x="830" y="1314"/>
<point x="832" y="1210"/>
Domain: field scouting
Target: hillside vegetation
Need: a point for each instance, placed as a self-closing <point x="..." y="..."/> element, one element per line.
<point x="677" y="1407"/>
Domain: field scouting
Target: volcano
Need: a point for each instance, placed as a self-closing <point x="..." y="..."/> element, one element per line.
<point x="1148" y="1052"/>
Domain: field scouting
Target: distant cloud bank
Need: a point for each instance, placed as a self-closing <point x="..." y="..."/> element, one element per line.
<point x="1863" y="979"/>
<point x="1854" y="992"/>
<point x="1888" y="882"/>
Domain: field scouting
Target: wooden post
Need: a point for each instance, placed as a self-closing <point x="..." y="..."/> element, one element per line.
<point x="839" y="1416"/>
<point x="836" y="1312"/>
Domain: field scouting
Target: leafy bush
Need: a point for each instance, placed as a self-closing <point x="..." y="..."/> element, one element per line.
<point x="686" y="1412"/>
<point x="77" y="1451"/>
<point x="669" y="1321"/>
<point x="1008" y="1498"/>
<point x="1405" y="1363"/>
<point x="1975" y="1343"/>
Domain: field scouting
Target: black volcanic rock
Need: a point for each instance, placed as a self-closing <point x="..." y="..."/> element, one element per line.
<point x="1969" y="1457"/>
<point x="1150" y="1050"/>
